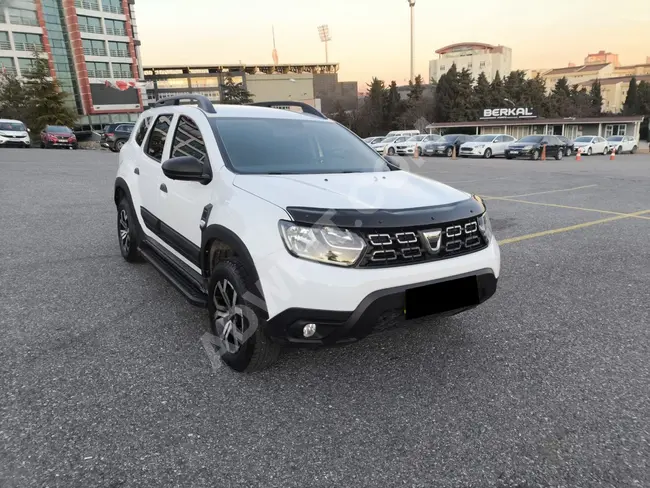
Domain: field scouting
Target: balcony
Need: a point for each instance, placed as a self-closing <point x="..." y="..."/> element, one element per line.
<point x="94" y="51"/>
<point x="17" y="19"/>
<point x="114" y="31"/>
<point x="5" y="46"/>
<point x="27" y="70"/>
<point x="91" y="29"/>
<point x="122" y="74"/>
<point x="112" y="9"/>
<point x="7" y="70"/>
<point x="87" y="4"/>
<point x="120" y="53"/>
<point x="29" y="46"/>
<point x="99" y="73"/>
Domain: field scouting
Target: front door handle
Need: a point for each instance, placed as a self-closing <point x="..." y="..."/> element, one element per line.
<point x="163" y="187"/>
<point x="136" y="171"/>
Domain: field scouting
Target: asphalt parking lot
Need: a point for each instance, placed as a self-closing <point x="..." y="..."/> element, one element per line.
<point x="105" y="383"/>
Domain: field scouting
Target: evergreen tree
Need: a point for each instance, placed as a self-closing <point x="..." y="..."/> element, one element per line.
<point x="445" y="94"/>
<point x="515" y="88"/>
<point x="631" y="105"/>
<point x="373" y="108"/>
<point x="482" y="95"/>
<point x="46" y="102"/>
<point x="498" y="92"/>
<point x="596" y="97"/>
<point x="581" y="102"/>
<point x="416" y="89"/>
<point x="643" y="94"/>
<point x="234" y="93"/>
<point x="394" y="107"/>
<point x="463" y="100"/>
<point x="340" y="115"/>
<point x="560" y="99"/>
<point x="13" y="97"/>
<point x="536" y="95"/>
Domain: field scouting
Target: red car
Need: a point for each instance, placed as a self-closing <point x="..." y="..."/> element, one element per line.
<point x="58" y="136"/>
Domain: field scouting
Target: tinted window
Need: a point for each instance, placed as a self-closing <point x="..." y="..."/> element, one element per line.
<point x="615" y="139"/>
<point x="188" y="141"/>
<point x="142" y="131"/>
<point x="583" y="139"/>
<point x="533" y="139"/>
<point x="298" y="146"/>
<point x="158" y="136"/>
<point x="124" y="128"/>
<point x="486" y="138"/>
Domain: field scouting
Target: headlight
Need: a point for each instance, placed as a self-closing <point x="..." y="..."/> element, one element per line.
<point x="324" y="244"/>
<point x="481" y="146"/>
<point x="485" y="227"/>
<point x="526" y="148"/>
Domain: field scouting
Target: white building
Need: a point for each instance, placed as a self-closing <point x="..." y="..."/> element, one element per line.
<point x="474" y="56"/>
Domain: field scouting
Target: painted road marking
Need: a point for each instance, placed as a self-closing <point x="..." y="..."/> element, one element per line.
<point x="545" y="192"/>
<point x="572" y="227"/>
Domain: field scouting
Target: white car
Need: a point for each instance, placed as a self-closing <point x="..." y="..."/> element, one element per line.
<point x="14" y="133"/>
<point x="407" y="148"/>
<point x="591" y="145"/>
<point x="373" y="140"/>
<point x="400" y="133"/>
<point x="486" y="146"/>
<point x="623" y="144"/>
<point x="287" y="228"/>
<point x="389" y="145"/>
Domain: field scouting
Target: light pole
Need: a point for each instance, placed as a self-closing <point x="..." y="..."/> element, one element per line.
<point x="412" y="7"/>
<point x="324" y="32"/>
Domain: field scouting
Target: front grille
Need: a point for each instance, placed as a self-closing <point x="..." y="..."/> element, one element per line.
<point x="466" y="149"/>
<point x="398" y="247"/>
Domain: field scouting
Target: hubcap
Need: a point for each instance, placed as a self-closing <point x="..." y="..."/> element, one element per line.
<point x="125" y="236"/>
<point x="228" y="316"/>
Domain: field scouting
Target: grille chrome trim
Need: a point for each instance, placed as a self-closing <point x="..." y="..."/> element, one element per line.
<point x="411" y="252"/>
<point x="380" y="239"/>
<point x="406" y="237"/>
<point x="384" y="255"/>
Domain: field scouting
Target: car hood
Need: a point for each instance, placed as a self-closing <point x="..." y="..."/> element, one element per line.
<point x="474" y="144"/>
<point x="387" y="190"/>
<point x="19" y="133"/>
<point x="59" y="134"/>
<point x="582" y="143"/>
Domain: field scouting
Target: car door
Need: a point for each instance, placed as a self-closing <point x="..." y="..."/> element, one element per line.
<point x="184" y="202"/>
<point x="498" y="146"/>
<point x="150" y="173"/>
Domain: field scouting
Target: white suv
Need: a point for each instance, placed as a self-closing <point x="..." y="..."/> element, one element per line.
<point x="289" y="229"/>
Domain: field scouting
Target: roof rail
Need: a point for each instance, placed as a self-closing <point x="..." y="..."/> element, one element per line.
<point x="306" y="108"/>
<point x="202" y="101"/>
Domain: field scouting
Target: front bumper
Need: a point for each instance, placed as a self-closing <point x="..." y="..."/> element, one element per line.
<point x="436" y="151"/>
<point x="15" y="141"/>
<point x="346" y="302"/>
<point x="519" y="153"/>
<point x="406" y="151"/>
<point x="471" y="151"/>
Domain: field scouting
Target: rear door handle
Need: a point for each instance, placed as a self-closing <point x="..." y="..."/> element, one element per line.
<point x="163" y="187"/>
<point x="136" y="171"/>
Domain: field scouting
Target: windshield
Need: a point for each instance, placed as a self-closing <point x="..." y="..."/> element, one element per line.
<point x="401" y="139"/>
<point x="583" y="139"/>
<point x="294" y="146"/>
<point x="377" y="139"/>
<point x="416" y="138"/>
<point x="388" y="139"/>
<point x="483" y="139"/>
<point x="615" y="138"/>
<point x="58" y="128"/>
<point x="12" y="126"/>
<point x="531" y="139"/>
<point x="449" y="138"/>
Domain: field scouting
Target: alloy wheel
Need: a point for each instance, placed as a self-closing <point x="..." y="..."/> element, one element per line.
<point x="125" y="235"/>
<point x="228" y="317"/>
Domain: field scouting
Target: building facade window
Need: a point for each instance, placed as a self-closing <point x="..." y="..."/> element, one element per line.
<point x="23" y="16"/>
<point x="113" y="6"/>
<point x="94" y="47"/>
<point x="98" y="70"/>
<point x="615" y="130"/>
<point x="203" y="82"/>
<point x="26" y="65"/>
<point x="481" y="64"/>
<point x="5" y="44"/>
<point x="122" y="70"/>
<point x="92" y="25"/>
<point x="115" y="27"/>
<point x="7" y="65"/>
<point x="28" y="42"/>
<point x="87" y="4"/>
<point x="174" y="83"/>
<point x="119" y="49"/>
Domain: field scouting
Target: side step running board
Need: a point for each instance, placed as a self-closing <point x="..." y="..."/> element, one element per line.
<point x="171" y="273"/>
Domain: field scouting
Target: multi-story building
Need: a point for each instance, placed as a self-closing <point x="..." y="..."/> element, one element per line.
<point x="92" y="49"/>
<point x="477" y="57"/>
<point x="602" y="57"/>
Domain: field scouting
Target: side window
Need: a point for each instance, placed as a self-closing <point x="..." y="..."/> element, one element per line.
<point x="188" y="141"/>
<point x="158" y="136"/>
<point x="142" y="131"/>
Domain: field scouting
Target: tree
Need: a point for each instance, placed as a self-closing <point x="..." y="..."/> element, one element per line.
<point x="536" y="95"/>
<point x="560" y="100"/>
<point x="515" y="88"/>
<point x="415" y="107"/>
<point x="373" y="108"/>
<point x="416" y="89"/>
<point x="46" y="101"/>
<point x="234" y="93"/>
<point x="631" y="105"/>
<point x="482" y="95"/>
<point x="341" y="115"/>
<point x="393" y="107"/>
<point x="13" y="97"/>
<point x="643" y="95"/>
<point x="498" y="91"/>
<point x="596" y="97"/>
<point x="581" y="102"/>
<point x="463" y="100"/>
<point x="445" y="93"/>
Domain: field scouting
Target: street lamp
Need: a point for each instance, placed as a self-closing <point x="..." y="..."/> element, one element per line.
<point x="412" y="7"/>
<point x="509" y="101"/>
<point x="324" y="33"/>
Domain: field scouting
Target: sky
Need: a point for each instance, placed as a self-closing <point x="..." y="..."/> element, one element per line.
<point x="371" y="38"/>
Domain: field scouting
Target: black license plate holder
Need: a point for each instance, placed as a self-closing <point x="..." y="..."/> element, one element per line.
<point x="442" y="297"/>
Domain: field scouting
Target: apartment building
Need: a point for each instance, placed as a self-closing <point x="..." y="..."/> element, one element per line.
<point x="92" y="49"/>
<point x="477" y="57"/>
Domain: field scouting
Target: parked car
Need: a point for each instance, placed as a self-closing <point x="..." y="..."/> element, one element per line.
<point x="227" y="202"/>
<point x="407" y="148"/>
<point x="487" y="145"/>
<point x="591" y="145"/>
<point x="389" y="145"/>
<point x="446" y="144"/>
<point x="115" y="135"/>
<point x="374" y="140"/>
<point x="400" y="133"/>
<point x="58" y="136"/>
<point x="568" y="143"/>
<point x="14" y="133"/>
<point x="623" y="144"/>
<point x="531" y="147"/>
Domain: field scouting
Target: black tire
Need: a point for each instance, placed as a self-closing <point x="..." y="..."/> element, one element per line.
<point x="559" y="155"/>
<point x="509" y="157"/>
<point x="589" y="152"/>
<point x="535" y="155"/>
<point x="488" y="153"/>
<point x="606" y="151"/>
<point x="252" y="350"/>
<point x="449" y="152"/>
<point x="127" y="233"/>
<point x="568" y="152"/>
<point x="619" y="150"/>
<point x="42" y="145"/>
<point x="633" y="150"/>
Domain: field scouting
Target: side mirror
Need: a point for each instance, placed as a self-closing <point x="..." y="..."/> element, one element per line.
<point x="29" y="130"/>
<point x="185" y="168"/>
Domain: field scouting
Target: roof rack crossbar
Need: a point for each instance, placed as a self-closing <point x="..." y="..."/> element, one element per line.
<point x="306" y="108"/>
<point x="202" y="101"/>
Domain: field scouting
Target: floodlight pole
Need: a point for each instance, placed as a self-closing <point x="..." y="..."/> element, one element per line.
<point x="412" y="7"/>
<point x="324" y="32"/>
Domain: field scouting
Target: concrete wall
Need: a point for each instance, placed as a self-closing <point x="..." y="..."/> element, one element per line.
<point x="266" y="88"/>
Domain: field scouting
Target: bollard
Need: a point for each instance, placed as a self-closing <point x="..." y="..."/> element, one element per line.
<point x="416" y="152"/>
<point x="453" y="152"/>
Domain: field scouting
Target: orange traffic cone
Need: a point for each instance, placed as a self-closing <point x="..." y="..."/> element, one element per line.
<point x="453" y="152"/>
<point x="579" y="154"/>
<point x="612" y="156"/>
<point x="544" y="152"/>
<point x="416" y="152"/>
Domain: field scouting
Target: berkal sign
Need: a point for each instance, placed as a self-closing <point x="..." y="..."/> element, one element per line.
<point x="509" y="113"/>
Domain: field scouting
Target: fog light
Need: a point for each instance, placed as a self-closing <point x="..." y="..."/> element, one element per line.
<point x="309" y="330"/>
